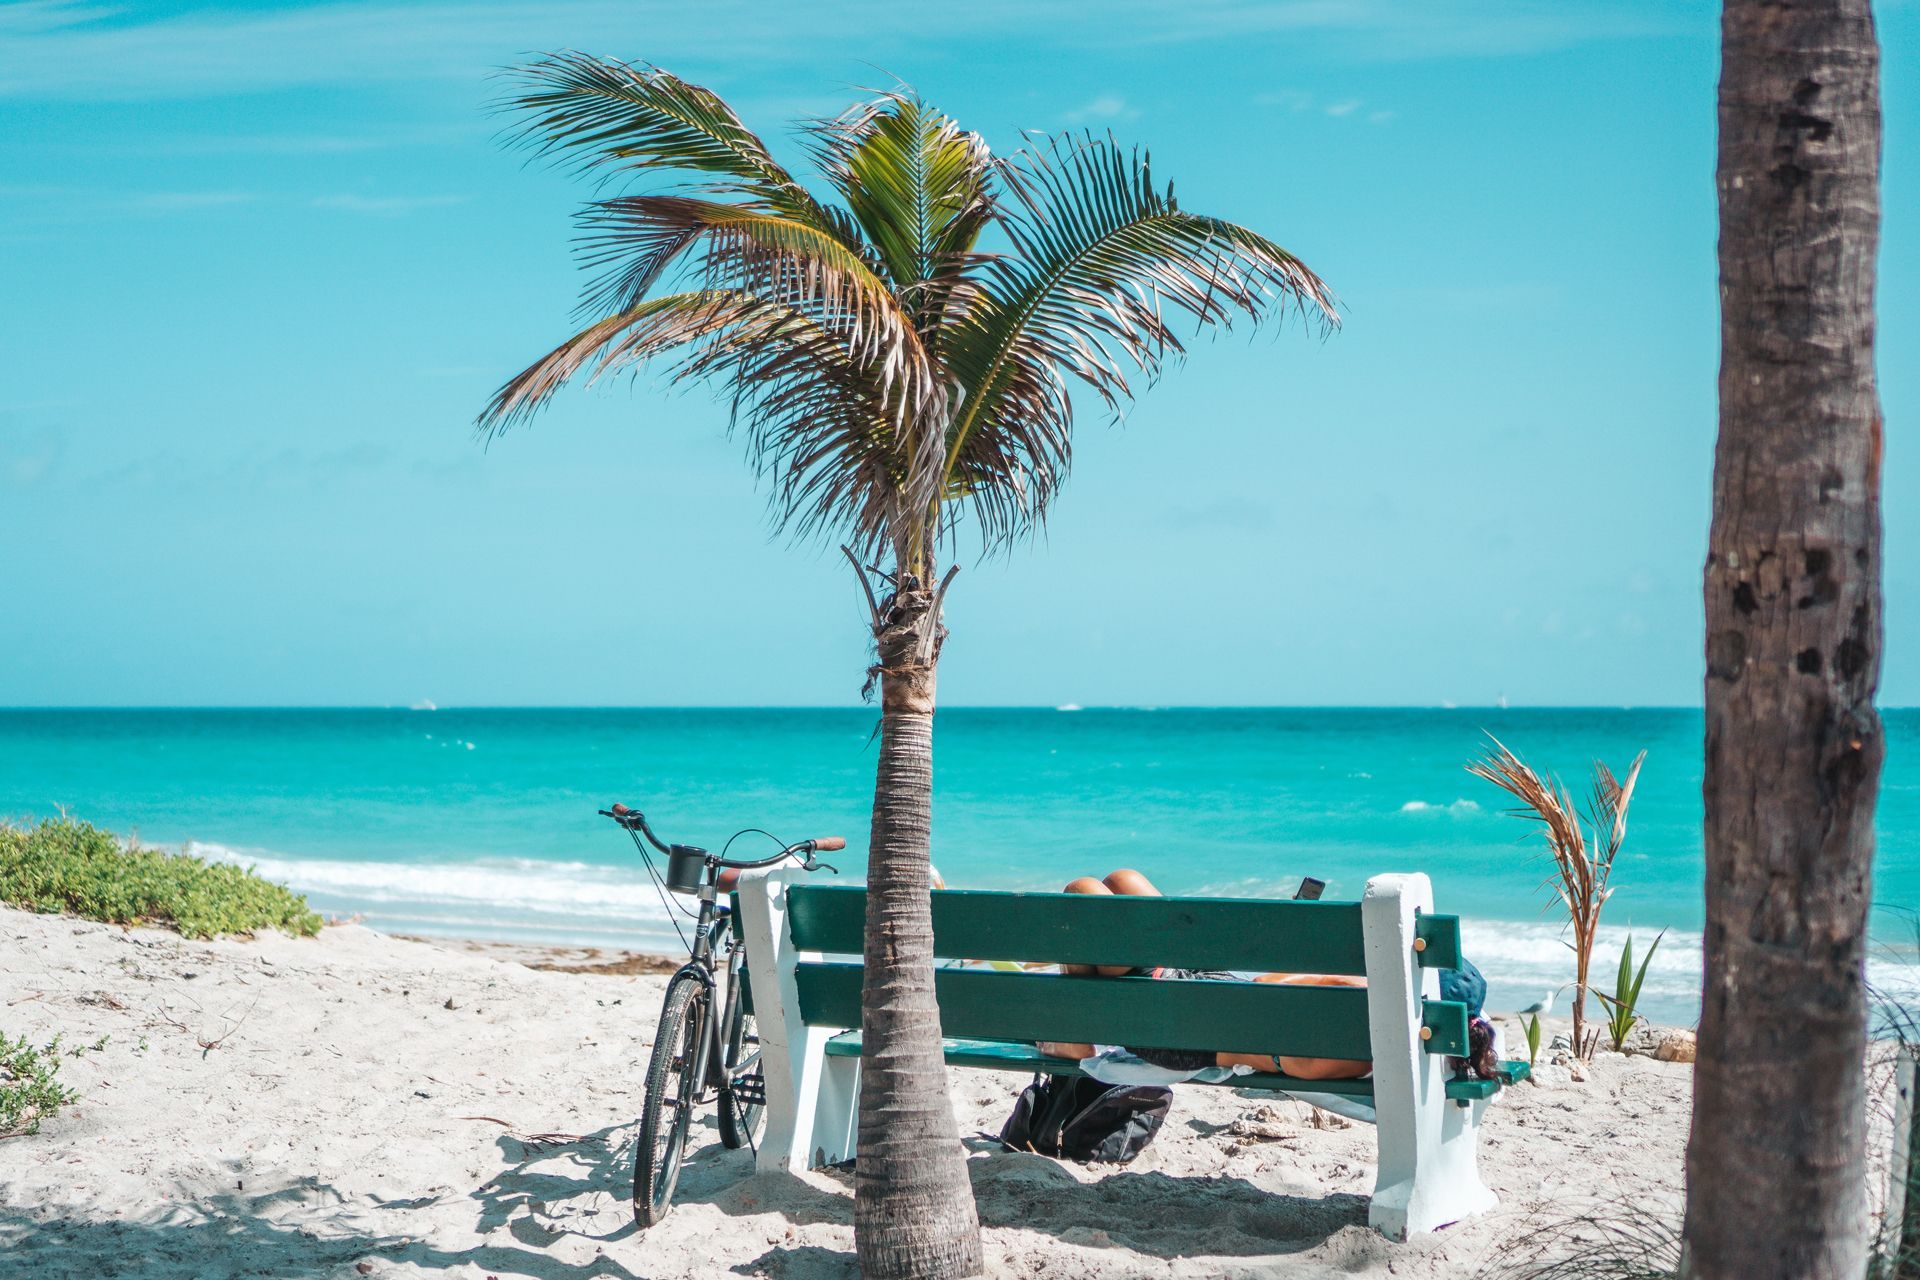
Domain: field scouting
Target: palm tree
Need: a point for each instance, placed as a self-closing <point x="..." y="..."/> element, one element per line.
<point x="1776" y="1171"/>
<point x="899" y="354"/>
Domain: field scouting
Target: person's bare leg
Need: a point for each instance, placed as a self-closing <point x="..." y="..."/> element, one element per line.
<point x="1304" y="1068"/>
<point x="1066" y="1048"/>
<point x="1087" y="884"/>
<point x="1124" y="881"/>
<point x="1132" y="884"/>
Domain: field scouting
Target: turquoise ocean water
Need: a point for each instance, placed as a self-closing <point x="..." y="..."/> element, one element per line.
<point x="481" y="822"/>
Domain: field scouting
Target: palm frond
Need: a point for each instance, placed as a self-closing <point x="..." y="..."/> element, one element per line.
<point x="824" y="432"/>
<point x="634" y="240"/>
<point x="1105" y="264"/>
<point x="646" y="329"/>
<point x="604" y="113"/>
<point x="1008" y="467"/>
<point x="818" y="425"/>
<point x="917" y="184"/>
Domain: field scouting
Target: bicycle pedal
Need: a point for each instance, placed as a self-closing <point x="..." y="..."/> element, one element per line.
<point x="750" y="1090"/>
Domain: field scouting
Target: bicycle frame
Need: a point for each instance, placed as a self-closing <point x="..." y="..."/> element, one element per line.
<point x="712" y="927"/>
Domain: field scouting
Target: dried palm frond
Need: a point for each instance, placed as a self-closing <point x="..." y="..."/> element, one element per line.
<point x="1582" y="857"/>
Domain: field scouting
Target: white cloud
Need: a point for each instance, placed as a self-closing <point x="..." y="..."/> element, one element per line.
<point x="384" y="206"/>
<point x="1108" y="106"/>
<point x="1298" y="100"/>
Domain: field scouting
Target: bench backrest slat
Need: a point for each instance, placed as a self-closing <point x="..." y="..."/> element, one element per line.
<point x="1250" y="934"/>
<point x="1238" y="1017"/>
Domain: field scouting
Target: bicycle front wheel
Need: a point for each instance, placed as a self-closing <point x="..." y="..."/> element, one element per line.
<point x="673" y="1089"/>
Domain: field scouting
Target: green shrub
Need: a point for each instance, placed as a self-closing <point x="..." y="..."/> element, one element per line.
<point x="64" y="865"/>
<point x="30" y="1088"/>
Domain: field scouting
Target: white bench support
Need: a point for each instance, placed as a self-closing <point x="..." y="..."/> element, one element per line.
<point x="813" y="1101"/>
<point x="1429" y="1169"/>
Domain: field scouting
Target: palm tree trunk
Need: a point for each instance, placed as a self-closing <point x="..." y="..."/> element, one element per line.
<point x="913" y="1215"/>
<point x="1776" y="1172"/>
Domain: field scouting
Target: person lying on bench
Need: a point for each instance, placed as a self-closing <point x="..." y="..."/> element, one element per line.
<point x="1464" y="984"/>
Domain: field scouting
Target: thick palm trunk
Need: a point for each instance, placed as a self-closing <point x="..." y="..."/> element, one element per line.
<point x="913" y="1204"/>
<point x="1776" y="1174"/>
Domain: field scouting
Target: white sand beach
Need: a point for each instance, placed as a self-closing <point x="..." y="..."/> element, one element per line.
<point x="363" y="1105"/>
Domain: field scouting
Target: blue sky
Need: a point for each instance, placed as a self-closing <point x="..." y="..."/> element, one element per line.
<point x="260" y="266"/>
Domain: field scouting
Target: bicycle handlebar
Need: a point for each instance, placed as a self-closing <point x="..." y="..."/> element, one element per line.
<point x="802" y="851"/>
<point x="634" y="820"/>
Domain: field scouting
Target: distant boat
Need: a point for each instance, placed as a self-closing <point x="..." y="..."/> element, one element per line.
<point x="423" y="705"/>
<point x="1070" y="706"/>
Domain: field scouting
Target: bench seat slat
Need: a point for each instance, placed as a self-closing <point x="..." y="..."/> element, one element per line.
<point x="1248" y="934"/>
<point x="1447" y="1020"/>
<point x="1238" y="1017"/>
<point x="1003" y="1055"/>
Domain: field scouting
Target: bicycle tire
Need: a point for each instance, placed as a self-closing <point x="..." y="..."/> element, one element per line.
<point x="739" y="1119"/>
<point x="672" y="1091"/>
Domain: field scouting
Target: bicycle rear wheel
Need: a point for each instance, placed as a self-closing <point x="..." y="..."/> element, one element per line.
<point x="673" y="1088"/>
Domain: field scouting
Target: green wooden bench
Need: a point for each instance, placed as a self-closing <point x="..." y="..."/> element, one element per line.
<point x="804" y="939"/>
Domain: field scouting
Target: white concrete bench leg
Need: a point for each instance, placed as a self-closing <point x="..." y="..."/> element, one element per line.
<point x="1429" y="1172"/>
<point x="813" y="1101"/>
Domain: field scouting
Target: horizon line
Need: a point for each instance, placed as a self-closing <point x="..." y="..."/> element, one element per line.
<point x="1064" y="708"/>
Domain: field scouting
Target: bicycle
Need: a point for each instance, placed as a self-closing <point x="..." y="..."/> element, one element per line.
<point x="698" y="1058"/>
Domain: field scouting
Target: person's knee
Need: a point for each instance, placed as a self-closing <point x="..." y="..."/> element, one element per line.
<point x="1086" y="884"/>
<point x="1127" y="880"/>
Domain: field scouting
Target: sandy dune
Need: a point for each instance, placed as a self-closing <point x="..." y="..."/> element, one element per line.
<point x="376" y="1106"/>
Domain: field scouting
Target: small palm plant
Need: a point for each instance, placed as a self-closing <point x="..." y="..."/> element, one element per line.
<point x="1623" y="1006"/>
<point x="901" y="352"/>
<point x="1582" y="857"/>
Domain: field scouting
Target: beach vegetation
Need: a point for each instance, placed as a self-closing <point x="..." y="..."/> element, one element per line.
<point x="63" y="864"/>
<point x="30" y="1087"/>
<point x="1605" y="1242"/>
<point x="901" y="344"/>
<point x="1583" y="844"/>
<point x="1531" y="1025"/>
<point x="1623" y="1004"/>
